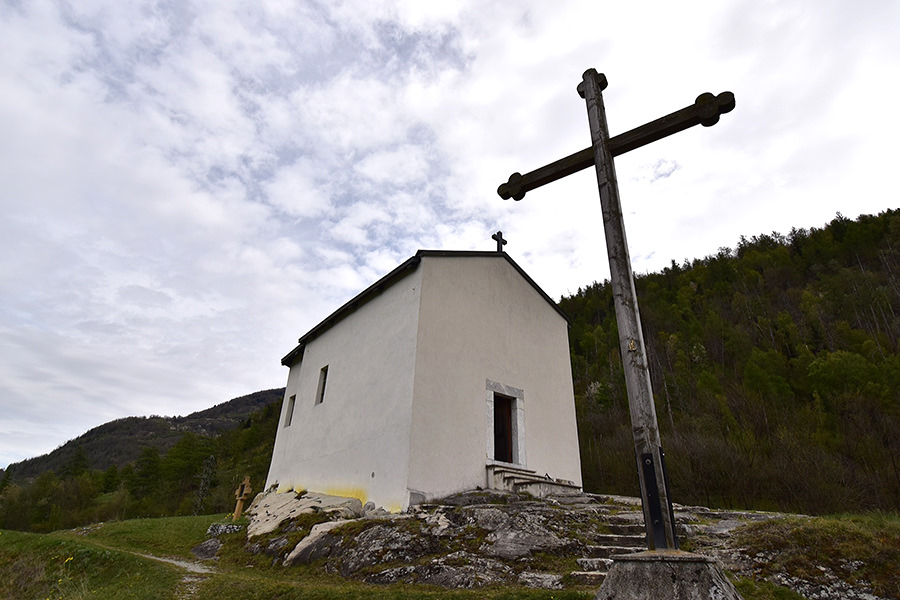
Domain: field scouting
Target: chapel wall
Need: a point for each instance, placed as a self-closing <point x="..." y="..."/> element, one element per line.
<point x="480" y="321"/>
<point x="356" y="442"/>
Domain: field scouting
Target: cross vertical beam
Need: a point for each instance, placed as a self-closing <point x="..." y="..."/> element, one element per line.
<point x="659" y="517"/>
<point x="658" y="514"/>
<point x="498" y="237"/>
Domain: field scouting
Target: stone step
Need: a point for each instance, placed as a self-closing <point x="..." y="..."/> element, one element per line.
<point x="545" y="488"/>
<point x="619" y="539"/>
<point x="630" y="527"/>
<point x="587" y="577"/>
<point x="625" y="526"/>
<point x="626" y="529"/>
<point x="502" y="469"/>
<point x="607" y="551"/>
<point x="523" y="476"/>
<point x="519" y="480"/>
<point x="596" y="565"/>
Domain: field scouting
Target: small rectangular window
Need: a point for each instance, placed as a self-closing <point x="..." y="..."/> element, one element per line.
<point x="289" y="413"/>
<point x="320" y="392"/>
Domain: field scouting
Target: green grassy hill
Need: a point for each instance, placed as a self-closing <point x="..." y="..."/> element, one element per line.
<point x="151" y="558"/>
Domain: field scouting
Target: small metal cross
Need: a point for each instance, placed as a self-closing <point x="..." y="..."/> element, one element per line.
<point x="659" y="518"/>
<point x="500" y="241"/>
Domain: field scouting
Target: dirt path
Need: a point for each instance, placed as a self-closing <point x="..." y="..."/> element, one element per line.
<point x="190" y="566"/>
<point x="196" y="574"/>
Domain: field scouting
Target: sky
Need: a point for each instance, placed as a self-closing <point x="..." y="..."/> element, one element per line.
<point x="187" y="187"/>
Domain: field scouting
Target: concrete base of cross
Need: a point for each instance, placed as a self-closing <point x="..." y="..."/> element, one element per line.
<point x="666" y="575"/>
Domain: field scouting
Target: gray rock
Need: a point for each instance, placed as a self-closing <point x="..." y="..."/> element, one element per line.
<point x="832" y="590"/>
<point x="475" y="497"/>
<point x="511" y="543"/>
<point x="386" y="543"/>
<point x="217" y="529"/>
<point x="547" y="581"/>
<point x="275" y="547"/>
<point x="456" y="570"/>
<point x="395" y="575"/>
<point x="318" y="544"/>
<point x="268" y="511"/>
<point x="465" y="576"/>
<point x="489" y="518"/>
<point x="520" y="534"/>
<point x="208" y="549"/>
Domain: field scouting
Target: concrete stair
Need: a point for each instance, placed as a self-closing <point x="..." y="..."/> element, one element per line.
<point x="516" y="479"/>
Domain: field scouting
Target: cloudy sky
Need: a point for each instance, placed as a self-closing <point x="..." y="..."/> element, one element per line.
<point x="187" y="187"/>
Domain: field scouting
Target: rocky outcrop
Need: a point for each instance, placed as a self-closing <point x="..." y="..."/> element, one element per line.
<point x="270" y="510"/>
<point x="467" y="540"/>
<point x="486" y="537"/>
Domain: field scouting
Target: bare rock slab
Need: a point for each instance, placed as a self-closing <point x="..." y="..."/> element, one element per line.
<point x="268" y="511"/>
<point x="666" y="575"/>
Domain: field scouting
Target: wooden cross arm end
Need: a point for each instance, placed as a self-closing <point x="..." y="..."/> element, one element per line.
<point x="705" y="110"/>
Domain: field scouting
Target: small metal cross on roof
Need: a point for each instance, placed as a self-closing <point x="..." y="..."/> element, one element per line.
<point x="659" y="518"/>
<point x="500" y="241"/>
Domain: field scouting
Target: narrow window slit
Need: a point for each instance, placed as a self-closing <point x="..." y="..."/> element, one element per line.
<point x="323" y="378"/>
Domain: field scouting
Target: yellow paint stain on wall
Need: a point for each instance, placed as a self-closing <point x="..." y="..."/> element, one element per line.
<point x="337" y="490"/>
<point x="349" y="492"/>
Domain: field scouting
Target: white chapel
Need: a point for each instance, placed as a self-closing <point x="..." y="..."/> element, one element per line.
<point x="448" y="374"/>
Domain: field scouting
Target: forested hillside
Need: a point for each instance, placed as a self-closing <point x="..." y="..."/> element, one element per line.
<point x="120" y="442"/>
<point x="775" y="371"/>
<point x="192" y="466"/>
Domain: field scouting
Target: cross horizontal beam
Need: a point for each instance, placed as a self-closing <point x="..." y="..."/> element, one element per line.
<point x="704" y="111"/>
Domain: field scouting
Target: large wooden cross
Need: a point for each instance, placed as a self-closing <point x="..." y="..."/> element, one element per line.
<point x="659" y="517"/>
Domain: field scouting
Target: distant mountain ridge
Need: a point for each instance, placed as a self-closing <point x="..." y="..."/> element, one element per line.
<point x="120" y="442"/>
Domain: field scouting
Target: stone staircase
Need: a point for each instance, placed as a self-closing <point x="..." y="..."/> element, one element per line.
<point x="509" y="478"/>
<point x="626" y="536"/>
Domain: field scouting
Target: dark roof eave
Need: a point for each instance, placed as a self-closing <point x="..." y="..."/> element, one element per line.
<point x="361" y="298"/>
<point x="294" y="356"/>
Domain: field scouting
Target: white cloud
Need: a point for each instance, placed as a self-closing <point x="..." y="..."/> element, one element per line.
<point x="295" y="190"/>
<point x="189" y="187"/>
<point x="400" y="166"/>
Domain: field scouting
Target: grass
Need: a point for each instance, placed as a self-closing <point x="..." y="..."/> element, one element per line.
<point x="764" y="590"/>
<point x="167" y="536"/>
<point x="102" y="562"/>
<point x="858" y="549"/>
<point x="266" y="588"/>
<point x="60" y="567"/>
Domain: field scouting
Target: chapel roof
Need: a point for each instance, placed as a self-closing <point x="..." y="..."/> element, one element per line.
<point x="404" y="269"/>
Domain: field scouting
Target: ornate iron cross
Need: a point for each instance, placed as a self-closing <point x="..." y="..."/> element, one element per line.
<point x="659" y="518"/>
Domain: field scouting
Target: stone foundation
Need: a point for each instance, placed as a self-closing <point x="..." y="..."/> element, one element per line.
<point x="666" y="575"/>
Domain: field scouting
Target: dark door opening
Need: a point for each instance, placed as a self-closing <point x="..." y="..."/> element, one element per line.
<point x="503" y="430"/>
